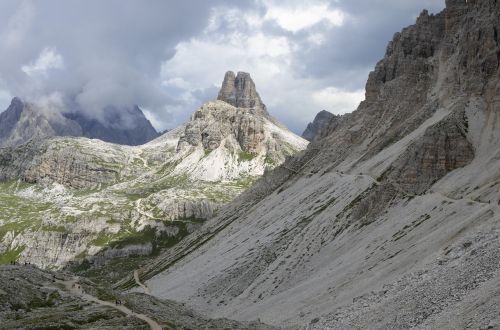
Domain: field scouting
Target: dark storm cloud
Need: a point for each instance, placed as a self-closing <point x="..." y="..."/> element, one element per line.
<point x="356" y="46"/>
<point x="110" y="51"/>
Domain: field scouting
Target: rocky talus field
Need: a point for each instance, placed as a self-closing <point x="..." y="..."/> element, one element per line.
<point x="389" y="219"/>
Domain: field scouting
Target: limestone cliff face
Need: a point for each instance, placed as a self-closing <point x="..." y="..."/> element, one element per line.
<point x="240" y="92"/>
<point x="216" y="121"/>
<point x="443" y="148"/>
<point x="236" y="134"/>
<point x="75" y="164"/>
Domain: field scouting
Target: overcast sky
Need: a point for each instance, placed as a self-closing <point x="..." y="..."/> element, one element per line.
<point x="170" y="56"/>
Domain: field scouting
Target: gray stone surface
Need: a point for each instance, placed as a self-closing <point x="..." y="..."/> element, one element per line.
<point x="319" y="127"/>
<point x="240" y="91"/>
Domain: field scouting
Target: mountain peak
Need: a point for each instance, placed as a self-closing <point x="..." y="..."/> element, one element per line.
<point x="319" y="127"/>
<point x="240" y="91"/>
<point x="20" y="123"/>
<point x="16" y="101"/>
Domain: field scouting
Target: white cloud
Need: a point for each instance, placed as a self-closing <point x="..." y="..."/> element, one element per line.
<point x="258" y="54"/>
<point x="201" y="62"/>
<point x="48" y="59"/>
<point x="18" y="25"/>
<point x="51" y="104"/>
<point x="153" y="119"/>
<point x="338" y="101"/>
<point x="303" y="16"/>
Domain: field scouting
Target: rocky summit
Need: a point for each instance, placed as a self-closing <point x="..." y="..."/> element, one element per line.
<point x="319" y="127"/>
<point x="390" y="221"/>
<point x="73" y="200"/>
<point x="240" y="91"/>
<point x="24" y="121"/>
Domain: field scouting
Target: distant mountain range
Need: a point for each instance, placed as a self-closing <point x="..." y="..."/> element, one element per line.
<point x="23" y="121"/>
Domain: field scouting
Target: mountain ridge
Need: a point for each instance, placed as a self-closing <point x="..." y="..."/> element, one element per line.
<point x="23" y="121"/>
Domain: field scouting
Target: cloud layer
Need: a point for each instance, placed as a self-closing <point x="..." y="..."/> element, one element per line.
<point x="170" y="56"/>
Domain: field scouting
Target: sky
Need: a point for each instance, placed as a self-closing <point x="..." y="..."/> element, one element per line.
<point x="169" y="57"/>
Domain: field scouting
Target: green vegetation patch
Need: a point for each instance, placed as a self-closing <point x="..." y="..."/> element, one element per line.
<point x="246" y="156"/>
<point x="11" y="255"/>
<point x="269" y="161"/>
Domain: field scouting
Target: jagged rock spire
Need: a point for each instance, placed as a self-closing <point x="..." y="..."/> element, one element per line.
<point x="240" y="91"/>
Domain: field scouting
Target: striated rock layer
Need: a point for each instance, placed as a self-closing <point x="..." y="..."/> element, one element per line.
<point x="240" y="92"/>
<point x="391" y="220"/>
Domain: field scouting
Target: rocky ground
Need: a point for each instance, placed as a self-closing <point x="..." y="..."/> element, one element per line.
<point x="31" y="298"/>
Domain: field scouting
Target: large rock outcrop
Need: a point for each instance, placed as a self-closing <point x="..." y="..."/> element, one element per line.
<point x="240" y="92"/>
<point x="235" y="135"/>
<point x="319" y="127"/>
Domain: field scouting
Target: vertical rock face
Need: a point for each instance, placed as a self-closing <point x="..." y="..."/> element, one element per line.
<point x="10" y="117"/>
<point x="227" y="92"/>
<point x="319" y="127"/>
<point x="240" y="91"/>
<point x="238" y="115"/>
<point x="443" y="148"/>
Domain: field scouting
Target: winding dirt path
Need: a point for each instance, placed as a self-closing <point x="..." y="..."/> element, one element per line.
<point x="75" y="289"/>
<point x="142" y="285"/>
